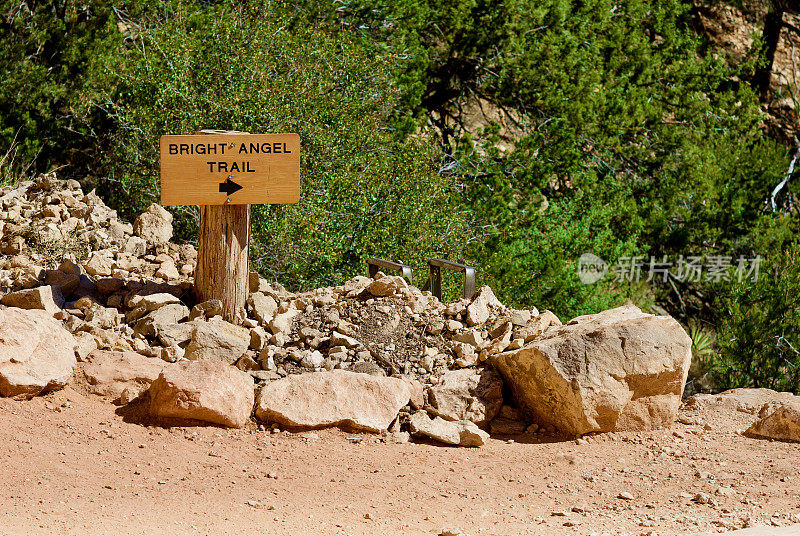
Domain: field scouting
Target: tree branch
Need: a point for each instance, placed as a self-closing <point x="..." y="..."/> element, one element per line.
<point x="786" y="177"/>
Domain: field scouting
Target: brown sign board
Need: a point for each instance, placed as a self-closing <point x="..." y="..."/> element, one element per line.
<point x="230" y="169"/>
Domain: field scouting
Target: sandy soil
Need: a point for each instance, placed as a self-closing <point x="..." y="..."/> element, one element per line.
<point x="70" y="465"/>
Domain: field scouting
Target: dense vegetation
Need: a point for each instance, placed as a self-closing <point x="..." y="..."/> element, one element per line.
<point x="619" y="130"/>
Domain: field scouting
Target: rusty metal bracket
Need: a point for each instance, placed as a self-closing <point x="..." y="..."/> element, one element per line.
<point x="373" y="264"/>
<point x="435" y="280"/>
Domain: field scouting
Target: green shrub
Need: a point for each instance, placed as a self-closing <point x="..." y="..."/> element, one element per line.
<point x="365" y="189"/>
<point x="759" y="335"/>
<point x="701" y="375"/>
<point x="50" y="114"/>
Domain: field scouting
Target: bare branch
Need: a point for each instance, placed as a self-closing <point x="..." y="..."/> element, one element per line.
<point x="786" y="177"/>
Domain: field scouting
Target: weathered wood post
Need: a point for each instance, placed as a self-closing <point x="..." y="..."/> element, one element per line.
<point x="224" y="172"/>
<point x="223" y="257"/>
<point x="223" y="253"/>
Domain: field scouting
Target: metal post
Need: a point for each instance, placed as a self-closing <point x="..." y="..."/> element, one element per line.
<point x="373" y="264"/>
<point x="435" y="266"/>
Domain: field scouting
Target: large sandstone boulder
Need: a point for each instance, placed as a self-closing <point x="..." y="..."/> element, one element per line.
<point x="779" y="421"/>
<point x="219" y="340"/>
<point x="620" y="369"/>
<point x="207" y="391"/>
<point x="36" y="353"/>
<point x="154" y="225"/>
<point x="462" y="433"/>
<point x="109" y="374"/>
<point x="473" y="395"/>
<point x="336" y="398"/>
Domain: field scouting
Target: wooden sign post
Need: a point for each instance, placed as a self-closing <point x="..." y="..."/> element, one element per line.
<point x="225" y="172"/>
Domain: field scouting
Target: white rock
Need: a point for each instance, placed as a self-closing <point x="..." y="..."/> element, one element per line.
<point x="168" y="270"/>
<point x="339" y="339"/>
<point x="154" y="225"/>
<point x="335" y="398"/>
<point x="218" y="340"/>
<point x="37" y="354"/>
<point x="312" y="360"/>
<point x="462" y="433"/>
<point x="206" y="391"/>
<point x="282" y="322"/>
<point x="482" y="306"/>
<point x="171" y="354"/>
<point x="264" y="307"/>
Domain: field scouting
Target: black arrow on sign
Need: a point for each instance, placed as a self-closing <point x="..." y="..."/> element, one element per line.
<point x="229" y="187"/>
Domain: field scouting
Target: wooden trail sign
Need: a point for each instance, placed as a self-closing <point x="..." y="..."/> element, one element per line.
<point x="230" y="168"/>
<point x="225" y="172"/>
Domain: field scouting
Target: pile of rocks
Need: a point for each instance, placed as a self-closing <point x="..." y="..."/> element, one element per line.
<point x="373" y="354"/>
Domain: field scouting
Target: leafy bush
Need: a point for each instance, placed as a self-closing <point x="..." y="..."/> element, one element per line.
<point x="759" y="335"/>
<point x="633" y="136"/>
<point x="48" y="96"/>
<point x="365" y="190"/>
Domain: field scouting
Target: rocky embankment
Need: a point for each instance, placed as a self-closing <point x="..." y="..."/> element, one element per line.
<point x="107" y="306"/>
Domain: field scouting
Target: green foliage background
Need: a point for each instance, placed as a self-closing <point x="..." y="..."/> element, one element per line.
<point x="366" y="191"/>
<point x="760" y="318"/>
<point x="636" y="137"/>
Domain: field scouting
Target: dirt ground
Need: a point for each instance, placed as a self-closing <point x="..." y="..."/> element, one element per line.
<point x="70" y="465"/>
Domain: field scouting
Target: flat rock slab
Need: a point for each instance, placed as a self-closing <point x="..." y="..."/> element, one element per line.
<point x="336" y="398"/>
<point x="48" y="298"/>
<point x="108" y="374"/>
<point x="37" y="354"/>
<point x="745" y="400"/>
<point x="620" y="369"/>
<point x="461" y="433"/>
<point x="207" y="391"/>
